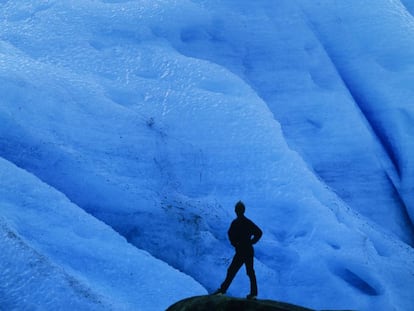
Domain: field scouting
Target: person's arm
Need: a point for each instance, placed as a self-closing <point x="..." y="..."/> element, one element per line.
<point x="257" y="233"/>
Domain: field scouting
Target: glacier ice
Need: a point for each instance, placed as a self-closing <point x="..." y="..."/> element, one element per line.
<point x="155" y="117"/>
<point x="56" y="256"/>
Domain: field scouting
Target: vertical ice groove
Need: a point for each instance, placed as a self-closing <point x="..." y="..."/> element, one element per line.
<point x="389" y="153"/>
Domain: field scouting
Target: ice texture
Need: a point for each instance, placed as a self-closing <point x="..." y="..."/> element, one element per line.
<point x="57" y="257"/>
<point x="129" y="129"/>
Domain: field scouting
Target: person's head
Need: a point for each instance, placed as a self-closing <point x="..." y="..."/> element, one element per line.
<point x="239" y="208"/>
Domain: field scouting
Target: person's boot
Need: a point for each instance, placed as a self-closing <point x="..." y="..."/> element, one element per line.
<point x="251" y="297"/>
<point x="219" y="292"/>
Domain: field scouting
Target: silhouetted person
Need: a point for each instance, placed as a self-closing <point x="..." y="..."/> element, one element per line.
<point x="243" y="233"/>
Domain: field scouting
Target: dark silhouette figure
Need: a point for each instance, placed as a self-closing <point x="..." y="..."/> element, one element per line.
<point x="243" y="233"/>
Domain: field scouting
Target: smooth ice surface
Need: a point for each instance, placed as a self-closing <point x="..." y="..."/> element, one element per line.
<point x="128" y="130"/>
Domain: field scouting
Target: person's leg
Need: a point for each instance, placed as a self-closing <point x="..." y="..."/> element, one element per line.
<point x="234" y="267"/>
<point x="252" y="276"/>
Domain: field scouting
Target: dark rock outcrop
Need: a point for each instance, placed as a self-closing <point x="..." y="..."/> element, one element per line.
<point x="225" y="303"/>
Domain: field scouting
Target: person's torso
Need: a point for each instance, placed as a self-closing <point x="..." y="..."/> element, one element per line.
<point x="241" y="231"/>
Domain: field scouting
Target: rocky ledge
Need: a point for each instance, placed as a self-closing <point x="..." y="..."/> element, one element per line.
<point x="226" y="303"/>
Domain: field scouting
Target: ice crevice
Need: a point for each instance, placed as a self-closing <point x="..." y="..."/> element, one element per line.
<point x="394" y="173"/>
<point x="354" y="92"/>
<point x="387" y="148"/>
<point x="409" y="5"/>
